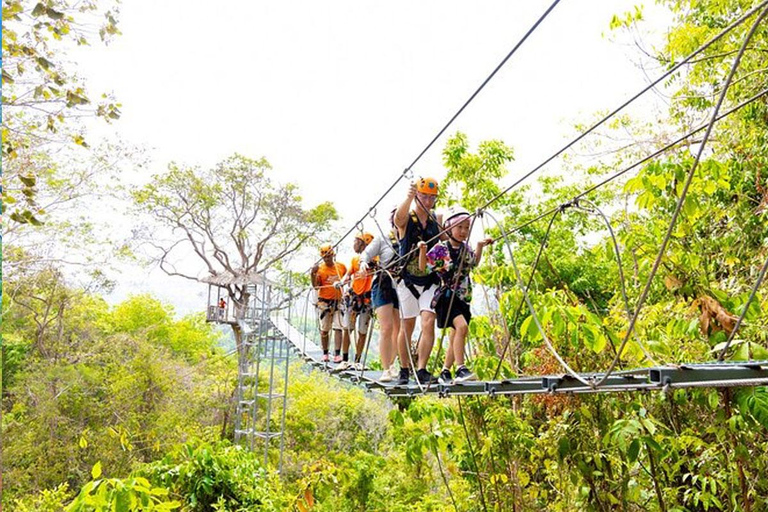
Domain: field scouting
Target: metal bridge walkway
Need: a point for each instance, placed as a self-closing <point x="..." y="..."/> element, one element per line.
<point x="716" y="374"/>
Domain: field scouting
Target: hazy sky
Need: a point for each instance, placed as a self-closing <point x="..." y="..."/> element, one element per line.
<point x="341" y="96"/>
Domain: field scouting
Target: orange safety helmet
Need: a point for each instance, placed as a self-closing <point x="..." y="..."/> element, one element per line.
<point x="365" y="237"/>
<point x="325" y="250"/>
<point x="427" y="186"/>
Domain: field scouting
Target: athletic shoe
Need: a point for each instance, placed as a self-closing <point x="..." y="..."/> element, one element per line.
<point x="344" y="365"/>
<point x="404" y="376"/>
<point x="463" y="374"/>
<point x="445" y="377"/>
<point x="337" y="358"/>
<point x="389" y="374"/>
<point x="326" y="358"/>
<point x="425" y="378"/>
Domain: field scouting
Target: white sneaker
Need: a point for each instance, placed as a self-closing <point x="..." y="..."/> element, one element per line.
<point x="388" y="375"/>
<point x="344" y="365"/>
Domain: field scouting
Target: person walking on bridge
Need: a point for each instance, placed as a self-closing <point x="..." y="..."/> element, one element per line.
<point x="416" y="287"/>
<point x="357" y="313"/>
<point x="326" y="279"/>
<point x="453" y="260"/>
<point x="381" y="255"/>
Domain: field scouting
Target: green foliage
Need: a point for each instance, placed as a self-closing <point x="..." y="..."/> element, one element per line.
<point x="120" y="495"/>
<point x="477" y="174"/>
<point x="216" y="476"/>
<point x="102" y="389"/>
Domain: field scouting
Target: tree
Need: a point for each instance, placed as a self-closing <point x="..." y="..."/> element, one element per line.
<point x="43" y="99"/>
<point x="233" y="219"/>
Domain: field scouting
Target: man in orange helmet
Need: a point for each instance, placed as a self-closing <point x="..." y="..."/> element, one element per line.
<point x="326" y="279"/>
<point x="416" y="286"/>
<point x="357" y="315"/>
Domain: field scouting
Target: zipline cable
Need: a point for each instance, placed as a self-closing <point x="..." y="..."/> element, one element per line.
<point x="408" y="169"/>
<point x="624" y="171"/>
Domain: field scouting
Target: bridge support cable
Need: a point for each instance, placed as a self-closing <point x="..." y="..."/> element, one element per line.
<point x="648" y="158"/>
<point x="527" y="299"/>
<point x="650" y="86"/>
<point x="684" y="193"/>
<point x="593" y="209"/>
<point x="743" y="314"/>
<point x="527" y="287"/>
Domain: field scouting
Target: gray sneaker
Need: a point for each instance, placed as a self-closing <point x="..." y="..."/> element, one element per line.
<point x="445" y="377"/>
<point x="463" y="375"/>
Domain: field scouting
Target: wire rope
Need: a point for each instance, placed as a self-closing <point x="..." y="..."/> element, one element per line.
<point x="408" y="169"/>
<point x="681" y="199"/>
<point x="535" y="316"/>
<point x="543" y="243"/>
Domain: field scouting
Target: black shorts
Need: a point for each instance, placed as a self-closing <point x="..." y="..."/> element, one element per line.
<point x="458" y="308"/>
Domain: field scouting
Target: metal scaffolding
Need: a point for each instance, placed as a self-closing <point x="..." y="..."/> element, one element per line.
<point x="262" y="381"/>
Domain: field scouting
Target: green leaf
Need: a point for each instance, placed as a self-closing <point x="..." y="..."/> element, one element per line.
<point x="96" y="470"/>
<point x="29" y="181"/>
<point x="39" y="10"/>
<point x="754" y="402"/>
<point x="713" y="399"/>
<point x="54" y="15"/>
<point x="633" y="450"/>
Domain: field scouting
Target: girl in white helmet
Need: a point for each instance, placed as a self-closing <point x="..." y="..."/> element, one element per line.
<point x="453" y="260"/>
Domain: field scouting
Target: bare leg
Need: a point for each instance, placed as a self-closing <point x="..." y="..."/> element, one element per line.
<point x="360" y="346"/>
<point x="449" y="351"/>
<point x="337" y="339"/>
<point x="427" y="337"/>
<point x="388" y="334"/>
<point x="324" y="340"/>
<point x="395" y="335"/>
<point x="459" y="339"/>
<point x="404" y="341"/>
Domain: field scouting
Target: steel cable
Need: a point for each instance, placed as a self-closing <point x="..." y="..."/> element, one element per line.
<point x="535" y="317"/>
<point x="681" y="199"/>
<point x="628" y="102"/>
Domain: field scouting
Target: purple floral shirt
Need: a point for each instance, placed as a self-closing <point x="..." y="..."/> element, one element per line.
<point x="444" y="259"/>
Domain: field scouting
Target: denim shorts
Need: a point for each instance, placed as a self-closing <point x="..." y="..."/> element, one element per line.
<point x="383" y="292"/>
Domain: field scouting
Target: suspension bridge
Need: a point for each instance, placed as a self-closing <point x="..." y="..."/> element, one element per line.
<point x="272" y="336"/>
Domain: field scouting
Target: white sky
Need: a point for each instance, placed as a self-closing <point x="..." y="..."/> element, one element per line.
<point x="341" y="96"/>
